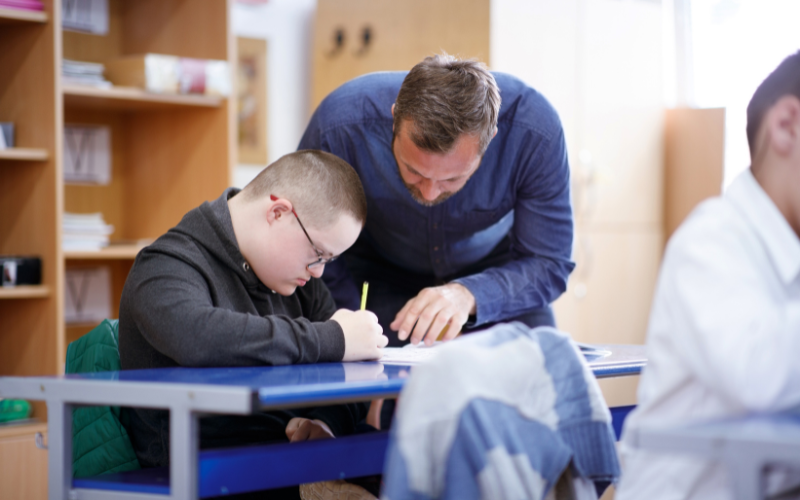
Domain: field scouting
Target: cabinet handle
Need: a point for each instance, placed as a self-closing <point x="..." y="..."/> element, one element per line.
<point x="366" y="41"/>
<point x="38" y="439"/>
<point x="338" y="42"/>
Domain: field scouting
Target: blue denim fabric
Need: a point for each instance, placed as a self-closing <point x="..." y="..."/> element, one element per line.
<point x="519" y="193"/>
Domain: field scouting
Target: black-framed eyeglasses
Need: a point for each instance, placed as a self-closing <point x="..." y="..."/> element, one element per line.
<point x="321" y="261"/>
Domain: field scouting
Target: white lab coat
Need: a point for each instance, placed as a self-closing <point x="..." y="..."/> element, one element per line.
<point x="723" y="338"/>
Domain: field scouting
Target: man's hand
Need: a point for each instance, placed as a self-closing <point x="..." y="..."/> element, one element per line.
<point x="432" y="310"/>
<point x="303" y="429"/>
<point x="363" y="336"/>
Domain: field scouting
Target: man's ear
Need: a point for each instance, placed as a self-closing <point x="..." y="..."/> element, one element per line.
<point x="277" y="208"/>
<point x="784" y="125"/>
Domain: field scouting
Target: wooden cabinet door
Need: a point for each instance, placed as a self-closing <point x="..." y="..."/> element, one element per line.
<point x="23" y="466"/>
<point x="400" y="35"/>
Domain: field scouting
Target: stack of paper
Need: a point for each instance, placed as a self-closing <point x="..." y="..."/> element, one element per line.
<point x="21" y="4"/>
<point x="85" y="231"/>
<point x="83" y="73"/>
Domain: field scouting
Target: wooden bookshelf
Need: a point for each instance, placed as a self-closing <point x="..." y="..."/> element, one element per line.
<point x="9" y="16"/>
<point x="132" y="99"/>
<point x="25" y="292"/>
<point x="32" y="339"/>
<point x="23" y="154"/>
<point x="169" y="154"/>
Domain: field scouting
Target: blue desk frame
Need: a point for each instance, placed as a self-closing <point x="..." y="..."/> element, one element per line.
<point x="189" y="393"/>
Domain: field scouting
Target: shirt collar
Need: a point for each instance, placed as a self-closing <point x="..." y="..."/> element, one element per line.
<point x="759" y="210"/>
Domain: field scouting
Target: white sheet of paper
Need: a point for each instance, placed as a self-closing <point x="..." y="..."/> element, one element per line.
<point x="412" y="355"/>
<point x="408" y="354"/>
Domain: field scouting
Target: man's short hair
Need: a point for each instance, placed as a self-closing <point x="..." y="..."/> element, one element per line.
<point x="443" y="98"/>
<point x="785" y="80"/>
<point x="321" y="187"/>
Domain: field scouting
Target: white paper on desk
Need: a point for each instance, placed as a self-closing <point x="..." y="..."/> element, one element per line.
<point x="409" y="354"/>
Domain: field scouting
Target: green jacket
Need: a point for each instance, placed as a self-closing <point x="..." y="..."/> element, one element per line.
<point x="100" y="443"/>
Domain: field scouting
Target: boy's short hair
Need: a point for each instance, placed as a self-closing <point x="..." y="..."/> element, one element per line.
<point x="321" y="187"/>
<point x="444" y="98"/>
<point x="785" y="80"/>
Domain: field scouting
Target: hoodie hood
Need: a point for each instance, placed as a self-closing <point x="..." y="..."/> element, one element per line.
<point x="210" y="228"/>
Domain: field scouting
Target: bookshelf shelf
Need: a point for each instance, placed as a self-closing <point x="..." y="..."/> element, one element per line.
<point x="21" y="16"/>
<point x="169" y="153"/>
<point x="25" y="292"/>
<point x="131" y="99"/>
<point x="24" y="154"/>
<point x="112" y="252"/>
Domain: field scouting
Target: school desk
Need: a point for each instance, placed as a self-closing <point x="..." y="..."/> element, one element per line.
<point x="189" y="393"/>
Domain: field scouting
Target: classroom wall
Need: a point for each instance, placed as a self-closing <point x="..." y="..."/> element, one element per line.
<point x="517" y="29"/>
<point x="599" y="63"/>
<point x="287" y="25"/>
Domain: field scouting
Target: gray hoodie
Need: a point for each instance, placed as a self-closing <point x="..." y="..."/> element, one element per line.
<point x="191" y="300"/>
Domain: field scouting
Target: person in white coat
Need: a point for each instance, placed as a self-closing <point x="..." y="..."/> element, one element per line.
<point x="724" y="332"/>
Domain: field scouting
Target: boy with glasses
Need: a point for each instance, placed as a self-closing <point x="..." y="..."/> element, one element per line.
<point x="236" y="283"/>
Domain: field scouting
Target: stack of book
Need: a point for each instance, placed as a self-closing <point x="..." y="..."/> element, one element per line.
<point x="21" y="4"/>
<point x="85" y="232"/>
<point x="83" y="73"/>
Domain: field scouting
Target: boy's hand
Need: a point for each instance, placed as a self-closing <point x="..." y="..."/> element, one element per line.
<point x="303" y="429"/>
<point x="363" y="336"/>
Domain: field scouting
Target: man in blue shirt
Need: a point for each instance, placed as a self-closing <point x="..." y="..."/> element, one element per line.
<point x="469" y="217"/>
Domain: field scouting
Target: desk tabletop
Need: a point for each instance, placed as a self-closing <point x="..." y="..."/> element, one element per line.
<point x="267" y="387"/>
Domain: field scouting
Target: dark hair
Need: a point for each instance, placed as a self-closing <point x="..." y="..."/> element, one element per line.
<point x="320" y="185"/>
<point x="785" y="80"/>
<point x="444" y="97"/>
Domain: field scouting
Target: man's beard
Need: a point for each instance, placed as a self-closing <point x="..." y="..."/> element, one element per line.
<point x="417" y="195"/>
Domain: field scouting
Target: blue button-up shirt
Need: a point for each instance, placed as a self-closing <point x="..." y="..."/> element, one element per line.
<point x="520" y="192"/>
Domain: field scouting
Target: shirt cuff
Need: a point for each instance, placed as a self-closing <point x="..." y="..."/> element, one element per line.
<point x="331" y="341"/>
<point x="487" y="297"/>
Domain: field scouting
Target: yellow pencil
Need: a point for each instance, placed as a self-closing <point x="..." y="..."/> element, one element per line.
<point x="364" y="291"/>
